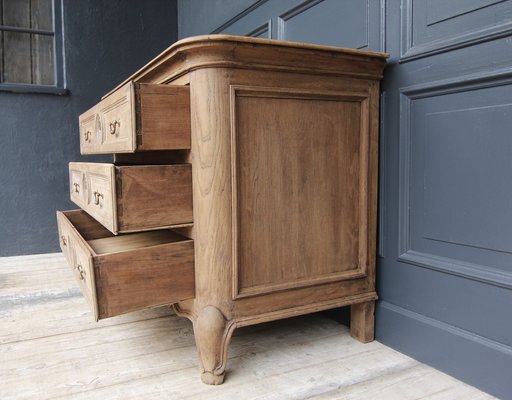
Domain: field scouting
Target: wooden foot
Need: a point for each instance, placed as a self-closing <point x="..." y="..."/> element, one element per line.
<point x="362" y="321"/>
<point x="212" y="333"/>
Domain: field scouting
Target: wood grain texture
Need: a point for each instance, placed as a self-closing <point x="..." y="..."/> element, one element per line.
<point x="167" y="277"/>
<point x="153" y="196"/>
<point x="108" y="268"/>
<point x="300" y="175"/>
<point x="163" y="117"/>
<point x="137" y="117"/>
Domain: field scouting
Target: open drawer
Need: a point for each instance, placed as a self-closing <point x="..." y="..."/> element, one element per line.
<point x="119" y="274"/>
<point x="133" y="198"/>
<point x="138" y="117"/>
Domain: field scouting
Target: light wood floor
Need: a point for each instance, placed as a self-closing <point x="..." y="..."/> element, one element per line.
<point x="51" y="349"/>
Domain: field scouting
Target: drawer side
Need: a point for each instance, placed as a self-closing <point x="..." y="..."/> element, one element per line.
<point x="153" y="196"/>
<point x="148" y="277"/>
<point x="163" y="117"/>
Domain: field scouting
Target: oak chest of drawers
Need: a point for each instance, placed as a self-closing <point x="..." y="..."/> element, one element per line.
<point x="243" y="188"/>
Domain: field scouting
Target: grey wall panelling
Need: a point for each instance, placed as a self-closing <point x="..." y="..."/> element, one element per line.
<point x="444" y="282"/>
<point x="445" y="221"/>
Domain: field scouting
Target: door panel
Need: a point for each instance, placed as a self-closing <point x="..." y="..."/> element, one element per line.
<point x="432" y="26"/>
<point x="344" y="23"/>
<point x="454" y="200"/>
<point x="340" y="21"/>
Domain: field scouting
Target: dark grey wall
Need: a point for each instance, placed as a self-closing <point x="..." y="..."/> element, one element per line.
<point x="199" y="17"/>
<point x="105" y="41"/>
<point x="445" y="227"/>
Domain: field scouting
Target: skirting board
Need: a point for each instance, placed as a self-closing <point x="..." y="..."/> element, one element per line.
<point x="476" y="360"/>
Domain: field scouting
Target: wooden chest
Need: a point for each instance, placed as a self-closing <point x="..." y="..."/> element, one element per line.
<point x="243" y="188"/>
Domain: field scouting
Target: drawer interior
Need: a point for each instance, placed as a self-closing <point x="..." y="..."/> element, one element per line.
<point x="133" y="241"/>
<point x="102" y="241"/>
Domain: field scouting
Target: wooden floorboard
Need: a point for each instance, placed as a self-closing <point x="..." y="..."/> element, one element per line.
<point x="50" y="348"/>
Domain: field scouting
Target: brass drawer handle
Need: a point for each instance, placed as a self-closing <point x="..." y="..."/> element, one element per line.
<point x="97" y="196"/>
<point x="113" y="127"/>
<point x="87" y="136"/>
<point x="77" y="187"/>
<point x="64" y="241"/>
<point x="81" y="272"/>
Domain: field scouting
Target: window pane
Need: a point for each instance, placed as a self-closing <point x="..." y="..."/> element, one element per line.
<point x="16" y="13"/>
<point x="42" y="60"/>
<point x="41" y="15"/>
<point x="26" y="57"/>
<point x="17" y="58"/>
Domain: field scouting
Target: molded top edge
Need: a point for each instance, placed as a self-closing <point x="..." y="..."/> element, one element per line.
<point x="205" y="40"/>
<point x="272" y="42"/>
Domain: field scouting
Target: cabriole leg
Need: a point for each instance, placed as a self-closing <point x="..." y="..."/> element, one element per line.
<point x="212" y="333"/>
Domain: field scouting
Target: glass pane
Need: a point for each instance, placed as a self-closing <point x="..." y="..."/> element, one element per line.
<point x="17" y="58"/>
<point x="41" y="15"/>
<point x="16" y="13"/>
<point x="42" y="60"/>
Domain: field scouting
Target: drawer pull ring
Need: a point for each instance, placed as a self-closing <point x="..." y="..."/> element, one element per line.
<point x="63" y="239"/>
<point x="97" y="196"/>
<point x="77" y="187"/>
<point x="113" y="127"/>
<point x="87" y="135"/>
<point x="81" y="272"/>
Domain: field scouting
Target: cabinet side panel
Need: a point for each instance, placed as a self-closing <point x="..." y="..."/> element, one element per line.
<point x="300" y="197"/>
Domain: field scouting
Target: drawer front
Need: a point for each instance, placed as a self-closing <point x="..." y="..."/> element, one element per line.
<point x="83" y="271"/>
<point x="79" y="259"/>
<point x="64" y="239"/>
<point x="117" y="120"/>
<point x="77" y="186"/>
<point x="89" y="130"/>
<point x="120" y="274"/>
<point x="100" y="200"/>
<point x="98" y="194"/>
<point x="109" y="127"/>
